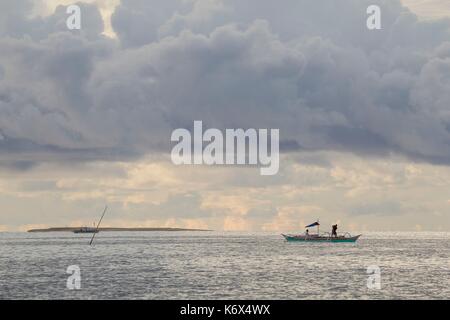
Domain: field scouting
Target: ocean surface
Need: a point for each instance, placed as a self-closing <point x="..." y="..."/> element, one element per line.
<point x="213" y="265"/>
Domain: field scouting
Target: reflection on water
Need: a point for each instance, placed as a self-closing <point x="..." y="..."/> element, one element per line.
<point x="212" y="265"/>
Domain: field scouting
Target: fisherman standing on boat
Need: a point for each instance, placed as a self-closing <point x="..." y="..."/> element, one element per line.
<point x="334" y="230"/>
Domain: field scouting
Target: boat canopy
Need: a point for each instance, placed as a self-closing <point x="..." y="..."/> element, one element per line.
<point x="313" y="224"/>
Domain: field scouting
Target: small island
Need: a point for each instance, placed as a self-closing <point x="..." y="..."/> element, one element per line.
<point x="71" y="229"/>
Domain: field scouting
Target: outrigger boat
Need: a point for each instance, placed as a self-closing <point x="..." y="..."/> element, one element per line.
<point x="324" y="237"/>
<point x="86" y="230"/>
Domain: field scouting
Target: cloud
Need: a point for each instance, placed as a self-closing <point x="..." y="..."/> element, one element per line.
<point x="18" y="21"/>
<point x="136" y="22"/>
<point x="429" y="9"/>
<point x="97" y="105"/>
<point x="385" y="208"/>
<point x="310" y="68"/>
<point x="349" y="189"/>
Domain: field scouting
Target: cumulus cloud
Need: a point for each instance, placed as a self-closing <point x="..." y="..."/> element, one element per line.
<point x="310" y="68"/>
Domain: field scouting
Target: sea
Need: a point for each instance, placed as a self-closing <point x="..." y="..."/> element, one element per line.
<point x="222" y="265"/>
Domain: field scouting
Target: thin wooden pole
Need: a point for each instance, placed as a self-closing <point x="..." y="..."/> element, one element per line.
<point x="96" y="230"/>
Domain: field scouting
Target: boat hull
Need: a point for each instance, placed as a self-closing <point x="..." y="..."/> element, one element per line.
<point x="86" y="230"/>
<point x="302" y="238"/>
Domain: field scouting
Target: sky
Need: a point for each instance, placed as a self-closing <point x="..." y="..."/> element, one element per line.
<point x="87" y="115"/>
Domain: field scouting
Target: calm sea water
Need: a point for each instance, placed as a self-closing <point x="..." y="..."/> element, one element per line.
<point x="212" y="265"/>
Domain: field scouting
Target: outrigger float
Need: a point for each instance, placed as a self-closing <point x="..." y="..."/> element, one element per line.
<point x="324" y="237"/>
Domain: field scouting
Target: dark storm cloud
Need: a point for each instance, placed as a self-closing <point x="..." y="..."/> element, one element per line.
<point x="19" y="165"/>
<point x="310" y="68"/>
<point x="136" y="22"/>
<point x="361" y="140"/>
<point x="289" y="146"/>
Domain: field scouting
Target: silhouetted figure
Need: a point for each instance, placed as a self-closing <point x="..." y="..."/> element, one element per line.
<point x="334" y="230"/>
<point x="307" y="232"/>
